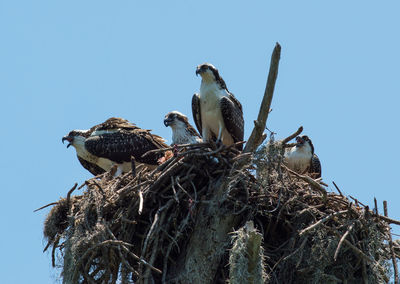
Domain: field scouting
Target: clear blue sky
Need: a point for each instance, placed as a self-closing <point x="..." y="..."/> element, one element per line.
<point x="71" y="64"/>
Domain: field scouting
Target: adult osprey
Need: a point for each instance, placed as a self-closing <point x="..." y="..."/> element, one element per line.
<point x="301" y="157"/>
<point x="216" y="111"/>
<point x="115" y="142"/>
<point x="182" y="131"/>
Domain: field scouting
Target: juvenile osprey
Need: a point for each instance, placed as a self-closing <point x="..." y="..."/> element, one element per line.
<point x="216" y="111"/>
<point x="182" y="131"/>
<point x="301" y="157"/>
<point x="114" y="142"/>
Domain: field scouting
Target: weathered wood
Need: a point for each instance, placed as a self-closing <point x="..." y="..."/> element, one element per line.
<point x="209" y="241"/>
<point x="255" y="138"/>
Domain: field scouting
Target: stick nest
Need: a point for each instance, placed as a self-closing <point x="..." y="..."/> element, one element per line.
<point x="137" y="229"/>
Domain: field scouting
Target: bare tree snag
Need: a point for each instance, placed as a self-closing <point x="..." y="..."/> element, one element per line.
<point x="287" y="139"/>
<point x="209" y="241"/>
<point x="255" y="138"/>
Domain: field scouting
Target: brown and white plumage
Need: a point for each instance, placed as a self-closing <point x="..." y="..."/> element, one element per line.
<point x="216" y="111"/>
<point x="115" y="142"/>
<point x="301" y="157"/>
<point x="182" y="131"/>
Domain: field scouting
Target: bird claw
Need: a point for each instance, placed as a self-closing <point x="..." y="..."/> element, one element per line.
<point x="175" y="150"/>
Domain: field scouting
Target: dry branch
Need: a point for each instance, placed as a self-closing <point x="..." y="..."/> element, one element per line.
<point x="342" y="240"/>
<point x="255" y="138"/>
<point x="287" y="139"/>
<point x="389" y="220"/>
<point x="337" y="188"/>
<point x="309" y="180"/>
<point x="45" y="206"/>
<point x="365" y="257"/>
<point x="320" y="222"/>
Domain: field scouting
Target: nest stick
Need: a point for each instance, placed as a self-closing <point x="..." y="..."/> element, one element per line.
<point x="178" y="234"/>
<point x="299" y="249"/>
<point x="173" y="189"/>
<point x="177" y="180"/>
<point x="125" y="262"/>
<point x="361" y="254"/>
<point x="389" y="220"/>
<point x="287" y="139"/>
<point x="156" y="220"/>
<point x="255" y="138"/>
<point x="153" y="225"/>
<point x="364" y="271"/>
<point x="376" y="206"/>
<point x="164" y="165"/>
<point x="342" y="240"/>
<point x="196" y="145"/>
<point x="166" y="174"/>
<point x="219" y="149"/>
<point x="123" y="246"/>
<point x="309" y="180"/>
<point x="323" y="220"/>
<point x="396" y="272"/>
<point x="151" y="260"/>
<point x="98" y="176"/>
<point x="98" y="186"/>
<point x="53" y="203"/>
<point x="337" y="188"/>
<point x="357" y="201"/>
<point x="140" y="202"/>
<point x="53" y="251"/>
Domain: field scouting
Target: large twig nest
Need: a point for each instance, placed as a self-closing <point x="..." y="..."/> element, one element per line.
<point x="176" y="224"/>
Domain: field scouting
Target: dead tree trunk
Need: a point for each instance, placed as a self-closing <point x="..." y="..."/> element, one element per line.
<point x="209" y="240"/>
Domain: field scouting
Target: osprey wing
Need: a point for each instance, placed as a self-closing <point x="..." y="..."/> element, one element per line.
<point x="112" y="124"/>
<point x="315" y="167"/>
<point x="196" y="112"/>
<point x="119" y="145"/>
<point x="92" y="168"/>
<point x="193" y="131"/>
<point x="232" y="114"/>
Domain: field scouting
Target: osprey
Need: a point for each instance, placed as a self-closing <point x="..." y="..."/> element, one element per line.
<point x="301" y="157"/>
<point x="216" y="111"/>
<point x="115" y="142"/>
<point x="182" y="131"/>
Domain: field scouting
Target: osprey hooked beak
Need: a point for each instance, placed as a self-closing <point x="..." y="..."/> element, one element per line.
<point x="168" y="121"/>
<point x="300" y="141"/>
<point x="69" y="139"/>
<point x="200" y="69"/>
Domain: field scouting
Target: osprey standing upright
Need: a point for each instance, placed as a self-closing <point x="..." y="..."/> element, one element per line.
<point x="216" y="112"/>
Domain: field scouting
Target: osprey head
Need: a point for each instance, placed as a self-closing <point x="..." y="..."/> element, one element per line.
<point x="210" y="74"/>
<point x="304" y="141"/>
<point x="207" y="68"/>
<point x="174" y="118"/>
<point x="75" y="135"/>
